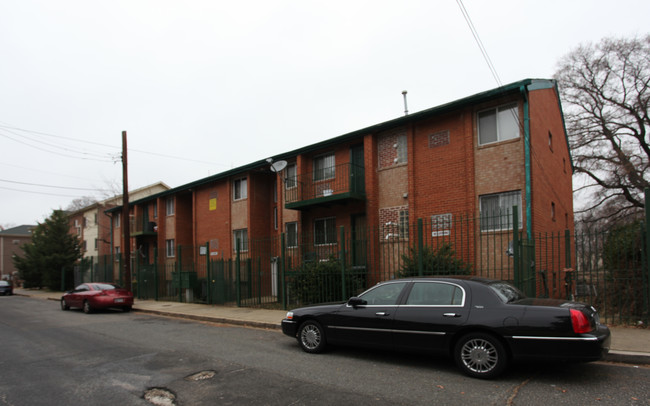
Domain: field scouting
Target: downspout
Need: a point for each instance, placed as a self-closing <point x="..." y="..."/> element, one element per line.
<point x="528" y="192"/>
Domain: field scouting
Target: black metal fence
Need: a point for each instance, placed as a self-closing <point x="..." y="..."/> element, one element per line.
<point x="606" y="268"/>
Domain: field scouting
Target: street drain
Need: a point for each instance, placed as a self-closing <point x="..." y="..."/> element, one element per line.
<point x="201" y="376"/>
<point x="160" y="397"/>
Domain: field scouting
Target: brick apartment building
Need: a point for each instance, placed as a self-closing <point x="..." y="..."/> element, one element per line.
<point x="493" y="150"/>
<point x="93" y="226"/>
<point x="11" y="241"/>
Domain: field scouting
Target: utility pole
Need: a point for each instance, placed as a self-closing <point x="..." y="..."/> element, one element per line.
<point x="126" y="219"/>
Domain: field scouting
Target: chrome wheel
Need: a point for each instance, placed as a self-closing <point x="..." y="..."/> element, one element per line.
<point x="86" y="308"/>
<point x="481" y="355"/>
<point x="311" y="337"/>
<point x="64" y="306"/>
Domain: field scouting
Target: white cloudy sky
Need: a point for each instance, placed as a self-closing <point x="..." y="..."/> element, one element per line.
<point x="205" y="86"/>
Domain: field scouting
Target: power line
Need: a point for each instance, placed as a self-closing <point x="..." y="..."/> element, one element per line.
<point x="55" y="187"/>
<point x="9" y="127"/>
<point x="38" y="193"/>
<point x="477" y="38"/>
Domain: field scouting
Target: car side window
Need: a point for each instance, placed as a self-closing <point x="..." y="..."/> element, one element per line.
<point x="435" y="294"/>
<point x="383" y="295"/>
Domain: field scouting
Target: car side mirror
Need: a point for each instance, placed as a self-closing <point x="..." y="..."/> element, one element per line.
<point x="356" y="301"/>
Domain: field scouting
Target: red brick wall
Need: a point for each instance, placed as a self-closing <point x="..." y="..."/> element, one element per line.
<point x="551" y="171"/>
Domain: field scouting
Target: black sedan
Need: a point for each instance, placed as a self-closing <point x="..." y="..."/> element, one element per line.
<point x="482" y="323"/>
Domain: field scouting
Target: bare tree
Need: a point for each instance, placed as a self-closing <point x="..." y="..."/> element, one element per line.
<point x="605" y="94"/>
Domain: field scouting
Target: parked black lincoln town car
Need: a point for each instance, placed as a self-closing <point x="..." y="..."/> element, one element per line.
<point x="482" y="323"/>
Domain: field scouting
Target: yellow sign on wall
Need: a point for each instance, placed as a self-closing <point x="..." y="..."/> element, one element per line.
<point x="213" y="204"/>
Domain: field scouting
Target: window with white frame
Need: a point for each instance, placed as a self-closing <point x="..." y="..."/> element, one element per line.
<point x="404" y="223"/>
<point x="498" y="124"/>
<point x="170" y="248"/>
<point x="240" y="189"/>
<point x="170" y="204"/>
<point x="291" y="181"/>
<point x="325" y="231"/>
<point x="118" y="251"/>
<point x="291" y="230"/>
<point x="155" y="209"/>
<point x="496" y="210"/>
<point x="402" y="151"/>
<point x="324" y="167"/>
<point x="240" y="240"/>
<point x="117" y="220"/>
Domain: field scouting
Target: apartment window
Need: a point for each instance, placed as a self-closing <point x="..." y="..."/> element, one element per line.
<point x="324" y="167"/>
<point x="291" y="230"/>
<point x="553" y="211"/>
<point x="402" y="151"/>
<point x="404" y="223"/>
<point x="291" y="180"/>
<point x="240" y="239"/>
<point x="96" y="243"/>
<point x="240" y="189"/>
<point x="496" y="210"/>
<point x="95" y="216"/>
<point x="117" y="219"/>
<point x="118" y="253"/>
<point x="155" y="209"/>
<point x="498" y="124"/>
<point x="325" y="231"/>
<point x="275" y="218"/>
<point x="170" y="248"/>
<point x="170" y="204"/>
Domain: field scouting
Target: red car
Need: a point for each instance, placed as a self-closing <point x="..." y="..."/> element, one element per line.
<point x="93" y="296"/>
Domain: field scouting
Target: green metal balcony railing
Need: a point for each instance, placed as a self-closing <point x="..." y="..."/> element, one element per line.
<point x="345" y="181"/>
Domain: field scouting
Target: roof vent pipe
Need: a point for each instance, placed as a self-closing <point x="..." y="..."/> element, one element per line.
<point x="406" y="110"/>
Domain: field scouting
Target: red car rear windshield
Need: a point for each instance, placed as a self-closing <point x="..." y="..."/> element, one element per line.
<point x="104" y="286"/>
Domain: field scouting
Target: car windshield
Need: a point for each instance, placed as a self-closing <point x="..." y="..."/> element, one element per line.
<point x="4" y="283"/>
<point x="506" y="291"/>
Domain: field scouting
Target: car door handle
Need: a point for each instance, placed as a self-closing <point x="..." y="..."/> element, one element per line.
<point x="381" y="314"/>
<point x="451" y="315"/>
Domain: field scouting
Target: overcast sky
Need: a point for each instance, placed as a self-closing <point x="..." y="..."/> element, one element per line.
<point x="205" y="86"/>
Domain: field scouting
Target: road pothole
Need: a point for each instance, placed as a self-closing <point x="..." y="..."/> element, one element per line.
<point x="160" y="397"/>
<point x="201" y="376"/>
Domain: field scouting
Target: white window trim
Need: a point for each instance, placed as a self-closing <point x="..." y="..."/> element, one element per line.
<point x="170" y="206"/>
<point x="507" y="215"/>
<point x="331" y="170"/>
<point x="496" y="109"/>
<point x="243" y="191"/>
<point x="291" y="244"/>
<point x="170" y="248"/>
<point x="328" y="241"/>
<point x="235" y="235"/>
<point x="291" y="180"/>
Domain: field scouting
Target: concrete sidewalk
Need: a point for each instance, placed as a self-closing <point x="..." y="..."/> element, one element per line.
<point x="629" y="344"/>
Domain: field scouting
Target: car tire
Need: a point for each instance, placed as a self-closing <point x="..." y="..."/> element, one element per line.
<point x="87" y="308"/>
<point x="64" y="306"/>
<point x="311" y="337"/>
<point x="481" y="355"/>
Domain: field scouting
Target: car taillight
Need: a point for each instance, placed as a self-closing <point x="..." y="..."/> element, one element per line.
<point x="580" y="322"/>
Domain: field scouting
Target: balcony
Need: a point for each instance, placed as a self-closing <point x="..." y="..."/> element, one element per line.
<point x="142" y="226"/>
<point x="336" y="184"/>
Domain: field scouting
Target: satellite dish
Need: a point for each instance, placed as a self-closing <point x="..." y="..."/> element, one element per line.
<point x="278" y="166"/>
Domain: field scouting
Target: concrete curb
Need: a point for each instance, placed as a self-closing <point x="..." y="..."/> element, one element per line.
<point x="628" y="357"/>
<point x="211" y="319"/>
